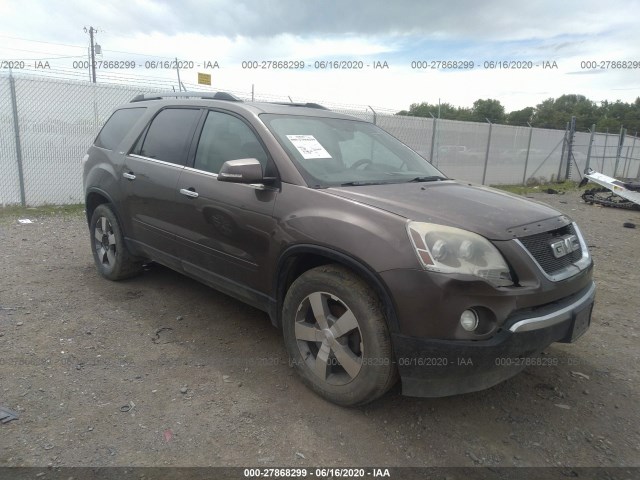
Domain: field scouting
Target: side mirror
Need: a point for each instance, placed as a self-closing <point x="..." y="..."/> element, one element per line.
<point x="244" y="170"/>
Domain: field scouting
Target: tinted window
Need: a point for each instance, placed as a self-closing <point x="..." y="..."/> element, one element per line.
<point x="225" y="137"/>
<point x="118" y="125"/>
<point x="169" y="135"/>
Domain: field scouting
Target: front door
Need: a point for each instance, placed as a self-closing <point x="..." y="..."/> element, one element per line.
<point x="225" y="228"/>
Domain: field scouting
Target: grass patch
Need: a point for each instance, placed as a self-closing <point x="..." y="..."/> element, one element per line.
<point x="562" y="187"/>
<point x="16" y="211"/>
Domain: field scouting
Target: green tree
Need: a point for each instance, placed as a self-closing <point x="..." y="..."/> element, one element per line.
<point x="551" y="113"/>
<point x="555" y="113"/>
<point x="424" y="109"/>
<point x="632" y="117"/>
<point x="488" y="109"/>
<point x="445" y="111"/>
<point x="520" y="117"/>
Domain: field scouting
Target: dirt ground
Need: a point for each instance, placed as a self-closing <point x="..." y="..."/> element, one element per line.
<point x="160" y="370"/>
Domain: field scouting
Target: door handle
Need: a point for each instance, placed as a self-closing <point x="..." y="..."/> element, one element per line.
<point x="189" y="193"/>
<point x="129" y="176"/>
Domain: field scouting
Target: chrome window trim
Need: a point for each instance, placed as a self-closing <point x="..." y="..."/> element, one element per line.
<point x="155" y="160"/>
<point x="569" y="270"/>
<point x="197" y="170"/>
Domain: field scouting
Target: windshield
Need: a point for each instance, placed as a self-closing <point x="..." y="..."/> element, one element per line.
<point x="330" y="152"/>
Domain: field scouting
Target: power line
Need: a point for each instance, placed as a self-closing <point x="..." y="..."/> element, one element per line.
<point x="68" y="72"/>
<point x="36" y="51"/>
<point x="123" y="74"/>
<point x="40" y="41"/>
<point x="24" y="59"/>
<point x="139" y="54"/>
<point x="77" y="46"/>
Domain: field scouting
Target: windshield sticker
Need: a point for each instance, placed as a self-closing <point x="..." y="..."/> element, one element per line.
<point x="308" y="146"/>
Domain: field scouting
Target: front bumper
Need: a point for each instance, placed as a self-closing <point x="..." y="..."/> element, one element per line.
<point x="438" y="368"/>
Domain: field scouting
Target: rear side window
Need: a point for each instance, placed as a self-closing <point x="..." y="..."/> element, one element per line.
<point x="169" y="135"/>
<point x="118" y="125"/>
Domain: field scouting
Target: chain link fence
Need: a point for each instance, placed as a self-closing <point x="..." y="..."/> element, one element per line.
<point x="46" y="126"/>
<point x="57" y="120"/>
<point x="9" y="172"/>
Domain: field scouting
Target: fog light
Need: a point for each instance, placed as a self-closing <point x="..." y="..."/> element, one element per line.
<point x="469" y="320"/>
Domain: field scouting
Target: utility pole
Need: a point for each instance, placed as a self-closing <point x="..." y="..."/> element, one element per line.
<point x="92" y="61"/>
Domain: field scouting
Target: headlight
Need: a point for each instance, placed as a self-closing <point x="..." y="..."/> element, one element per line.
<point x="452" y="250"/>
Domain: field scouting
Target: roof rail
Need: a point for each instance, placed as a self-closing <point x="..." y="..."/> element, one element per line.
<point x="203" y="95"/>
<point x="308" y="105"/>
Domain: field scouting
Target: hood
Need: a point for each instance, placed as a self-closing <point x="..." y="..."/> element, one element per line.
<point x="491" y="213"/>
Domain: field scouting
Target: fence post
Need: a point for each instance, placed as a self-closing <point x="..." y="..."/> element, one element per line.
<point x="95" y="105"/>
<point x="593" y="134"/>
<point x="626" y="162"/>
<point x="486" y="156"/>
<point x="375" y="116"/>
<point x="526" y="160"/>
<point x="16" y="129"/>
<point x="572" y="132"/>
<point x="633" y="146"/>
<point x="619" y="152"/>
<point x="604" y="149"/>
<point x="433" y="138"/>
<point x="564" y="147"/>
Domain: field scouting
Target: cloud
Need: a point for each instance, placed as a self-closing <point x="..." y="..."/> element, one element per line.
<point x="491" y="20"/>
<point x="231" y="31"/>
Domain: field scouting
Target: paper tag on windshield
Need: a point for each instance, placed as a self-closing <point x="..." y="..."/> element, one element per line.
<point x="308" y="146"/>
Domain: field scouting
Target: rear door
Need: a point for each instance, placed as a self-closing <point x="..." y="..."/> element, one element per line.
<point x="149" y="178"/>
<point x="225" y="228"/>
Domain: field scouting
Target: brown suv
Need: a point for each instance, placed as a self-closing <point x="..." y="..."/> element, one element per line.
<point x="373" y="263"/>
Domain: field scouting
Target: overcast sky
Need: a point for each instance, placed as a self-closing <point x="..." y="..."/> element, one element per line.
<point x="398" y="32"/>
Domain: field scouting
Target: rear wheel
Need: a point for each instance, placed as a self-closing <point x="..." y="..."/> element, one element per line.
<point x="337" y="336"/>
<point x="110" y="253"/>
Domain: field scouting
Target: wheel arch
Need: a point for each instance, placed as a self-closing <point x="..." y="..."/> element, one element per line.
<point x="95" y="197"/>
<point x="297" y="259"/>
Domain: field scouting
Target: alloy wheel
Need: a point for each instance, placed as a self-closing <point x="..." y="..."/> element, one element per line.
<point x="105" y="242"/>
<point x="329" y="338"/>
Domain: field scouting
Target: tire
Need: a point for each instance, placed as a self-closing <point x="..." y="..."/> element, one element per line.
<point x="345" y="353"/>
<point x="110" y="253"/>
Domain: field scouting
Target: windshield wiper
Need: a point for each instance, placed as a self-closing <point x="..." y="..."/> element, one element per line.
<point x="355" y="183"/>
<point x="433" y="178"/>
<point x="358" y="183"/>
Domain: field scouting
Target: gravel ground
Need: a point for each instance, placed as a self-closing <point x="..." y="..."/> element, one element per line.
<point x="160" y="370"/>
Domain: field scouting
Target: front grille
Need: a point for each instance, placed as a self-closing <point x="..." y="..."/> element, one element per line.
<point x="539" y="245"/>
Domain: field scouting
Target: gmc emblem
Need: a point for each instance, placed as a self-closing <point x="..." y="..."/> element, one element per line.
<point x="566" y="245"/>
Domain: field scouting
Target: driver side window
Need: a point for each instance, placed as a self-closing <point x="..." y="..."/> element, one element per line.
<point x="226" y="137"/>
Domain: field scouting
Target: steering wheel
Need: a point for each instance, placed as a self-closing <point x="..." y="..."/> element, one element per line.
<point x="368" y="161"/>
<point x="362" y="161"/>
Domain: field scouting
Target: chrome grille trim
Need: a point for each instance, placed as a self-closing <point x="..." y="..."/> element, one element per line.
<point x="569" y="270"/>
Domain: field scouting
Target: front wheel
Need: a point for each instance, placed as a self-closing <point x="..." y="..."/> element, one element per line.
<point x="110" y="253"/>
<point x="337" y="336"/>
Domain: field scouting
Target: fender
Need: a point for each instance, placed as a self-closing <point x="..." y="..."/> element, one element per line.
<point x="355" y="264"/>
